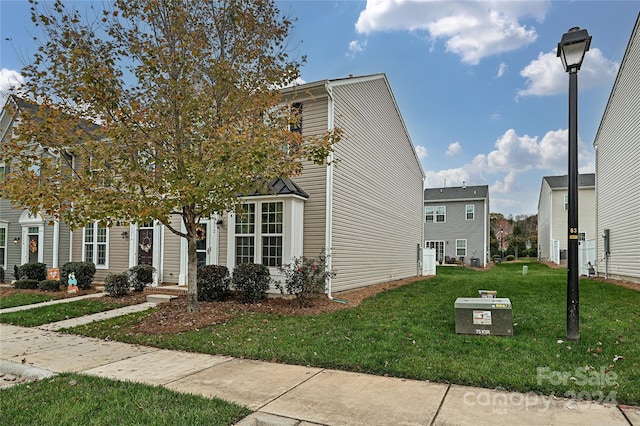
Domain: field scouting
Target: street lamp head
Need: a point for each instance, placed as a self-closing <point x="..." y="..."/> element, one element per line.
<point x="571" y="49"/>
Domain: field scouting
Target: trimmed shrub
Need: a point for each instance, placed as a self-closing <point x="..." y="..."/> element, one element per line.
<point x="26" y="284"/>
<point x="32" y="271"/>
<point x="252" y="280"/>
<point x="213" y="283"/>
<point x="510" y="258"/>
<point x="116" y="285"/>
<point x="84" y="272"/>
<point x="141" y="276"/>
<point x="1" y="274"/>
<point x="49" y="285"/>
<point x="306" y="278"/>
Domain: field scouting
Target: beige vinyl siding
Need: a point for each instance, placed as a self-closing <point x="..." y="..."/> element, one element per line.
<point x="171" y="255"/>
<point x="377" y="193"/>
<point x="618" y="170"/>
<point x="313" y="179"/>
<point x="118" y="251"/>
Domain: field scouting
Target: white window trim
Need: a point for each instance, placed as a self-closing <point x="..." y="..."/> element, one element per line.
<point x="465" y="248"/>
<point x="566" y="202"/>
<point x="444" y="209"/>
<point x="95" y="247"/>
<point x="473" y="212"/>
<point x="432" y="210"/>
<point x="292" y="231"/>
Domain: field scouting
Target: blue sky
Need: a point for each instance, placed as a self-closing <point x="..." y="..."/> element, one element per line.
<point x="478" y="83"/>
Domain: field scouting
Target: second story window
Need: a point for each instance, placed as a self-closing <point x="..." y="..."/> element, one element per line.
<point x="428" y="213"/>
<point x="435" y="214"/>
<point x="566" y="202"/>
<point x="295" y="125"/>
<point x="470" y="212"/>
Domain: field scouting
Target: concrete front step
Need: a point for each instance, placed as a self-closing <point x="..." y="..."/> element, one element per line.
<point x="180" y="291"/>
<point x="160" y="298"/>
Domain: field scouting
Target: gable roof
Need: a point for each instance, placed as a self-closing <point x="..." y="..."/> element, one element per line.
<point x="480" y="192"/>
<point x="562" y="182"/>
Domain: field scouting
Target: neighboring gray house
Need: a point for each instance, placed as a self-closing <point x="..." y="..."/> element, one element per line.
<point x="553" y="215"/>
<point x="457" y="223"/>
<point x="617" y="145"/>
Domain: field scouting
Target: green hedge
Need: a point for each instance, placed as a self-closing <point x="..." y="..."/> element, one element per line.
<point x="49" y="285"/>
<point x="252" y="280"/>
<point x="32" y="271"/>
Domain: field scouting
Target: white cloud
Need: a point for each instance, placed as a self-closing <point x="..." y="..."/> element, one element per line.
<point x="454" y="148"/>
<point x="501" y="69"/>
<point x="356" y="47"/>
<point x="421" y="151"/>
<point x="471" y="29"/>
<point x="510" y="165"/>
<point x="8" y="79"/>
<point x="545" y="75"/>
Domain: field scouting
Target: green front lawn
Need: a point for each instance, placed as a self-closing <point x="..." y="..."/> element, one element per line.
<point x="59" y="312"/>
<point x="410" y="332"/>
<point x="73" y="399"/>
<point x="20" y="299"/>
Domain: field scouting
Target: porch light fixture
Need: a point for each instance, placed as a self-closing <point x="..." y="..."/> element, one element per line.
<point x="124" y="235"/>
<point x="16" y="240"/>
<point x="571" y="50"/>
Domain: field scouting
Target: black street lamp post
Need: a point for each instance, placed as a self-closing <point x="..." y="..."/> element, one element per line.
<point x="571" y="50"/>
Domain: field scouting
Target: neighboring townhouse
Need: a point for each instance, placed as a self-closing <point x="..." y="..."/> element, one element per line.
<point x="363" y="209"/>
<point x="617" y="145"/>
<point x="25" y="237"/>
<point x="553" y="205"/>
<point x="457" y="224"/>
<point x="38" y="238"/>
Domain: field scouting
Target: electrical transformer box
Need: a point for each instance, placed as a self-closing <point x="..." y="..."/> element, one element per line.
<point x="484" y="316"/>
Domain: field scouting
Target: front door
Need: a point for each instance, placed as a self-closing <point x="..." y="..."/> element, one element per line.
<point x="145" y="244"/>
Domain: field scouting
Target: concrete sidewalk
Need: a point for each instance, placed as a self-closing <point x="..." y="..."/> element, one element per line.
<point x="282" y="394"/>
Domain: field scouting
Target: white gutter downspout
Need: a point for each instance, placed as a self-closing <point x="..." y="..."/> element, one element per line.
<point x="328" y="232"/>
<point x="486" y="233"/>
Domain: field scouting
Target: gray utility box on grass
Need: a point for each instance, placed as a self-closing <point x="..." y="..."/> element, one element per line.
<point x="484" y="316"/>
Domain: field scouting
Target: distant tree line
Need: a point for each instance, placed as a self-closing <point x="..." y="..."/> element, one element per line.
<point x="517" y="236"/>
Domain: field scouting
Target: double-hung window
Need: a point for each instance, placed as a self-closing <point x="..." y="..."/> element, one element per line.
<point x="245" y="234"/>
<point x="259" y="233"/>
<point x="461" y="248"/>
<point x="470" y="211"/>
<point x="95" y="240"/>
<point x="272" y="233"/>
<point x="428" y="213"/>
<point x="441" y="213"/>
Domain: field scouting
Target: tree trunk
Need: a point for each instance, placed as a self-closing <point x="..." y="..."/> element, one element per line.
<point x="192" y="270"/>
